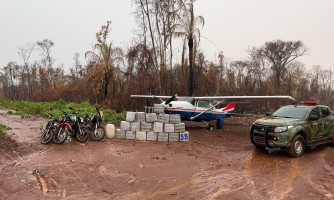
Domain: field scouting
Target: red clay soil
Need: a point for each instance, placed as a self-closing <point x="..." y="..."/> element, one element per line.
<point x="221" y="164"/>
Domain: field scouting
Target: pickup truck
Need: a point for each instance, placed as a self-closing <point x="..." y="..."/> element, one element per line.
<point x="293" y="128"/>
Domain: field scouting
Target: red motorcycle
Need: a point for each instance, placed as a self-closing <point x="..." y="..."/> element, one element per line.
<point x="64" y="128"/>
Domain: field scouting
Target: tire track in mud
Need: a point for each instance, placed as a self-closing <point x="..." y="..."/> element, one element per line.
<point x="22" y="130"/>
<point x="40" y="181"/>
<point x="211" y="185"/>
<point x="326" y="188"/>
<point x="281" y="176"/>
<point x="26" y="133"/>
<point x="273" y="181"/>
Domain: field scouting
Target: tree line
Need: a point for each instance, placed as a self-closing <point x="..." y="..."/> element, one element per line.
<point x="163" y="59"/>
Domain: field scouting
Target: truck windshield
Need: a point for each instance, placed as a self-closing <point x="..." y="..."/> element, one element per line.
<point x="291" y="112"/>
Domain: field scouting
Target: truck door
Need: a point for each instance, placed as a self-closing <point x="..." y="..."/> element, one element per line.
<point x="317" y="126"/>
<point x="327" y="120"/>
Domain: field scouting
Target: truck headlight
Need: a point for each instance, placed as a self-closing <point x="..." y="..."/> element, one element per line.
<point x="281" y="129"/>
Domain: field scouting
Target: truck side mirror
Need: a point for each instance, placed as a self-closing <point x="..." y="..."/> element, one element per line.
<point x="268" y="114"/>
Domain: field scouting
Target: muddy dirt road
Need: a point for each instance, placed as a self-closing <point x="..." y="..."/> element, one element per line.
<point x="221" y="164"/>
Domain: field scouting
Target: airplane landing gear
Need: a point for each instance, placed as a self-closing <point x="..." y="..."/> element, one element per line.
<point x="210" y="127"/>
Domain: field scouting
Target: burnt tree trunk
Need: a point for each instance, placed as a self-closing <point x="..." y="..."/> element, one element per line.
<point x="191" y="68"/>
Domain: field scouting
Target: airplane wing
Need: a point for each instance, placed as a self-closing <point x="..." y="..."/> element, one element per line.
<point x="226" y="98"/>
<point x="245" y="98"/>
<point x="152" y="96"/>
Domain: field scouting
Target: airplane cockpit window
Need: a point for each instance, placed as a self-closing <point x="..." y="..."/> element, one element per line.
<point x="204" y="104"/>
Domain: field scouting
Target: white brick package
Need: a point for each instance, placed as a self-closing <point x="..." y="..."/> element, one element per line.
<point x="130" y="116"/>
<point x="140" y="117"/>
<point x="134" y="126"/>
<point x="125" y="126"/>
<point x="174" y="119"/>
<point x="151" y="136"/>
<point x="164" y="118"/>
<point x="159" y="108"/>
<point x="158" y="127"/>
<point x="141" y="135"/>
<point x="145" y="126"/>
<point x="174" y="137"/>
<point x="120" y="134"/>
<point x="151" y="117"/>
<point x="163" y="137"/>
<point x="169" y="128"/>
<point x="130" y="135"/>
<point x="180" y="127"/>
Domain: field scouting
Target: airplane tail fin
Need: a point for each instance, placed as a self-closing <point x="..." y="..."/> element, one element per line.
<point x="229" y="108"/>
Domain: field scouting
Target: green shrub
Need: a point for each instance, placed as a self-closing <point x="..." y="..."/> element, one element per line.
<point x="27" y="108"/>
<point x="10" y="112"/>
<point x="2" y="135"/>
<point x="2" y="128"/>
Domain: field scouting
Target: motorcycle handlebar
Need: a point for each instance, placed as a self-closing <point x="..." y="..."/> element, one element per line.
<point x="64" y="112"/>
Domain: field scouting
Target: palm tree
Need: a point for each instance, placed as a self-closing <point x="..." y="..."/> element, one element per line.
<point x="188" y="28"/>
<point x="105" y="57"/>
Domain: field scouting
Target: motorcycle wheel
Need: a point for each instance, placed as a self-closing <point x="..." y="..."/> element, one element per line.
<point x="60" y="136"/>
<point x="47" y="136"/>
<point x="97" y="134"/>
<point x="82" y="134"/>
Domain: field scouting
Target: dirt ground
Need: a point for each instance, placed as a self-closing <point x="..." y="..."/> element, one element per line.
<point x="221" y="164"/>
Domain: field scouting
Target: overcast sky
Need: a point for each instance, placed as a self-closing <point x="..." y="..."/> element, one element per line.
<point x="232" y="26"/>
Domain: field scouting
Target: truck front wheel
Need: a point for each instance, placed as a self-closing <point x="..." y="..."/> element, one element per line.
<point x="333" y="140"/>
<point x="297" y="147"/>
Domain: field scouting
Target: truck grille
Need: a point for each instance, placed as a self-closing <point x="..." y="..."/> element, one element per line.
<point x="259" y="134"/>
<point x="263" y="129"/>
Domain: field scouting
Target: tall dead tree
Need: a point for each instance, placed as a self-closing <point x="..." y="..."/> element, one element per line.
<point x="105" y="57"/>
<point x="188" y="28"/>
<point x="25" y="54"/>
<point x="280" y="53"/>
<point x="45" y="47"/>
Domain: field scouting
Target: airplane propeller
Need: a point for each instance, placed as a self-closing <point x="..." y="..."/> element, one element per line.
<point x="159" y="100"/>
<point x="171" y="99"/>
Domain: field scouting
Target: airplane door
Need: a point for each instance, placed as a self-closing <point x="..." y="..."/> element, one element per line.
<point x="202" y="106"/>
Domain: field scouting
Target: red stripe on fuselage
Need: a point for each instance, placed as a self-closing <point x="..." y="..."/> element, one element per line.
<point x="183" y="109"/>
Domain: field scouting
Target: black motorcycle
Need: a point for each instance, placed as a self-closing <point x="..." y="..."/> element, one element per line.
<point x="50" y="129"/>
<point x="79" y="130"/>
<point x="93" y="123"/>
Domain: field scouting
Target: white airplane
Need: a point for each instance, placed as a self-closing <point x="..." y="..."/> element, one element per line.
<point x="203" y="108"/>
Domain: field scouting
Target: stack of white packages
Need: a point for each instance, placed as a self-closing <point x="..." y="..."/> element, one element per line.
<point x="156" y="126"/>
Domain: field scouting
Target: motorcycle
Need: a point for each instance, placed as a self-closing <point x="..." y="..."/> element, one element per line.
<point x="79" y="130"/>
<point x="50" y="129"/>
<point x="64" y="129"/>
<point x="97" y="132"/>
